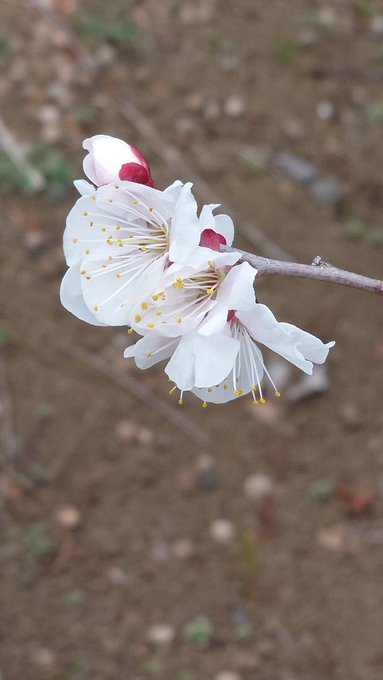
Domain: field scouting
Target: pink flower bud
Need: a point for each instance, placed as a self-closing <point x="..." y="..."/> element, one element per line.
<point x="110" y="159"/>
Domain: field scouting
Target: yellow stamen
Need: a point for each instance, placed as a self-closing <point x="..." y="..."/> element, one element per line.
<point x="204" y="404"/>
<point x="138" y="318"/>
<point x="277" y="393"/>
<point x="150" y="325"/>
<point x="144" y="305"/>
<point x="74" y="240"/>
<point x="130" y="331"/>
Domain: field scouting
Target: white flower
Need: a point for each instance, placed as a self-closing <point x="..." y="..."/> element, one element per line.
<point x="227" y="364"/>
<point x="118" y="242"/>
<point x="260" y="325"/>
<point x="196" y="293"/>
<point x="112" y="160"/>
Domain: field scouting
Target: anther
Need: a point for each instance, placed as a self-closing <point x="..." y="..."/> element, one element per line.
<point x="204" y="404"/>
<point x="277" y="393"/>
<point x="130" y="331"/>
<point x="144" y="305"/>
<point x="138" y="318"/>
<point x="150" y="325"/>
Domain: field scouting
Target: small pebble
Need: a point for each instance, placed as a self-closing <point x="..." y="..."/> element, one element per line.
<point x="258" y="487"/>
<point x="44" y="658"/>
<point x="160" y="634"/>
<point x="327" y="190"/>
<point x="376" y="24"/>
<point x="183" y="549"/>
<point x="211" y="110"/>
<point x="227" y="675"/>
<point x="35" y="243"/>
<point x="206" y="473"/>
<point x="68" y="516"/>
<point x="222" y="531"/>
<point x="117" y="576"/>
<point x="325" y="110"/>
<point x="234" y="106"/>
<point x="295" y="167"/>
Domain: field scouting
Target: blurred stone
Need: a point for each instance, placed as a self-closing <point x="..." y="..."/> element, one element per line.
<point x="295" y="167"/>
<point x="258" y="487"/>
<point x="327" y="190"/>
<point x="105" y="55"/>
<point x="186" y="480"/>
<point x="338" y="538"/>
<point x="294" y="129"/>
<point x="117" y="576"/>
<point x="194" y="101"/>
<point x="222" y="531"/>
<point x="160" y="634"/>
<point x="211" y="110"/>
<point x="351" y="416"/>
<point x="128" y="432"/>
<point x="246" y="660"/>
<point x="234" y="106"/>
<point x="325" y="110"/>
<point x="227" y="675"/>
<point x="44" y="658"/>
<point x="68" y="516"/>
<point x="185" y="125"/>
<point x="48" y="114"/>
<point x="376" y="24"/>
<point x="206" y="473"/>
<point x="309" y="385"/>
<point x="183" y="549"/>
<point x="266" y="648"/>
<point x="307" y="37"/>
<point x="35" y="243"/>
<point x="145" y="436"/>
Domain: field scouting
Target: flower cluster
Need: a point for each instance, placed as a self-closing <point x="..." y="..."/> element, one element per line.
<point x="144" y="258"/>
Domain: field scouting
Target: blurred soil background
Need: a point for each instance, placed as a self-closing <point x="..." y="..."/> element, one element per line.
<point x="230" y="543"/>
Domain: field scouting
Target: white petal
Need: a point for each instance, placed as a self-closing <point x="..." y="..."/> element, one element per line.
<point x="237" y="290"/>
<point x="295" y="345"/>
<point x="215" y="320"/>
<point x="214" y="359"/>
<point x="224" y="225"/>
<point x="151" y="349"/>
<point x="105" y="158"/>
<point x="174" y="190"/>
<point x="181" y="369"/>
<point x="72" y="298"/>
<point x="206" y="218"/>
<point x="110" y="292"/>
<point x="83" y="187"/>
<point x="185" y="228"/>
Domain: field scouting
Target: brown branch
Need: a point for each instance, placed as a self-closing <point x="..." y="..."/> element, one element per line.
<point x="317" y="270"/>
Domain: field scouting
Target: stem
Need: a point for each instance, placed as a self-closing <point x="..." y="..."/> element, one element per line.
<point x="318" y="270"/>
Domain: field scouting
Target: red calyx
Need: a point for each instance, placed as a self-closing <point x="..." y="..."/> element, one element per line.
<point x="134" y="172"/>
<point x="211" y="239"/>
<point x="230" y="314"/>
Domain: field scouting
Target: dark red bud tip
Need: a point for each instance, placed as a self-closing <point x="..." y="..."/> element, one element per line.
<point x="211" y="239"/>
<point x="134" y="172"/>
<point x="230" y="314"/>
